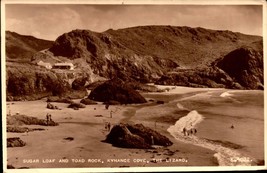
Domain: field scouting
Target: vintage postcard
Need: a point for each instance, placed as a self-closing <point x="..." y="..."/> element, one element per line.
<point x="113" y="86"/>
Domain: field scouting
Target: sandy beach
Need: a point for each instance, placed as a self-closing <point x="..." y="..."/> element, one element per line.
<point x="51" y="148"/>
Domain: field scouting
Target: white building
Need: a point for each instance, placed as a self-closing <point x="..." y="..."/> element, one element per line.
<point x="44" y="64"/>
<point x="65" y="66"/>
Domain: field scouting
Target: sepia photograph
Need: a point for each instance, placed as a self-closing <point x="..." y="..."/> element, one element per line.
<point x="100" y="86"/>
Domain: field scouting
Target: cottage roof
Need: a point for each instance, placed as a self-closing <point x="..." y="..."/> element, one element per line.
<point x="63" y="64"/>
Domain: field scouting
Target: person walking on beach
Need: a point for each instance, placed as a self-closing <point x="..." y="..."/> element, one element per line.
<point x="192" y="131"/>
<point x="50" y="117"/>
<point x="108" y="126"/>
<point x="47" y="119"/>
<point x="152" y="140"/>
<point x="188" y="132"/>
<point x="111" y="114"/>
<point x="184" y="131"/>
<point x="195" y="130"/>
<point x="107" y="106"/>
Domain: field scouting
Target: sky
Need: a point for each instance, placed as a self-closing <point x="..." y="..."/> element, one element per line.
<point x="48" y="21"/>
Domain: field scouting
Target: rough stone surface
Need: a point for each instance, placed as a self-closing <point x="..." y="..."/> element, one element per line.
<point x="135" y="136"/>
<point x="116" y="90"/>
<point x="15" y="142"/>
<point x="87" y="101"/>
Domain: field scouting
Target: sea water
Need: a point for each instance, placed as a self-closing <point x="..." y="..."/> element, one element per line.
<point x="232" y="116"/>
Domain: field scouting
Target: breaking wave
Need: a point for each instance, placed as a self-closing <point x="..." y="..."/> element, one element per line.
<point x="181" y="107"/>
<point x="226" y="94"/>
<point x="225" y="156"/>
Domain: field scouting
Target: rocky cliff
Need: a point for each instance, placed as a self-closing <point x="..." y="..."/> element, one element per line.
<point x="242" y="68"/>
<point x="146" y="53"/>
<point x="116" y="90"/>
<point x="194" y="57"/>
<point x="29" y="82"/>
<point x="245" y="66"/>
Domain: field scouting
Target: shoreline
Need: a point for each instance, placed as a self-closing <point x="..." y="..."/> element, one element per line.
<point x="88" y="137"/>
<point x="222" y="148"/>
<point x="225" y="156"/>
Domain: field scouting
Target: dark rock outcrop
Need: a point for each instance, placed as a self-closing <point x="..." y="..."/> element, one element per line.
<point x="51" y="106"/>
<point x="145" y="53"/>
<point x="15" y="142"/>
<point x="245" y="66"/>
<point x="162" y="54"/>
<point x="87" y="101"/>
<point x="135" y="136"/>
<point x="79" y="83"/>
<point x="27" y="120"/>
<point x="116" y="90"/>
<point x="10" y="167"/>
<point x="28" y="82"/>
<point x="112" y="102"/>
<point x="212" y="77"/>
<point x="76" y="105"/>
<point x="18" y="129"/>
<point x="109" y="58"/>
<point x="59" y="99"/>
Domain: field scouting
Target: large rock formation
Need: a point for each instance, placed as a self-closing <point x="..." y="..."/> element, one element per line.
<point x="146" y="52"/>
<point x="15" y="142"/>
<point x="116" y="90"/>
<point x="87" y="101"/>
<point x="135" y="136"/>
<point x="240" y="69"/>
<point x="208" y="77"/>
<point x="29" y="82"/>
<point x="167" y="54"/>
<point x="28" y="120"/>
<point x="245" y="66"/>
<point x="33" y="82"/>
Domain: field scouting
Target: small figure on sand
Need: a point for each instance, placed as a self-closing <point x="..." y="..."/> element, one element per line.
<point x="194" y="130"/>
<point x="111" y="114"/>
<point x="184" y="131"/>
<point x="108" y="126"/>
<point x="191" y="131"/>
<point x="188" y="132"/>
<point x="152" y="140"/>
<point x="48" y="118"/>
<point x="232" y="126"/>
<point x="107" y="106"/>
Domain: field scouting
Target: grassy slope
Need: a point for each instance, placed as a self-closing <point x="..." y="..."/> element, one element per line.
<point x="21" y="48"/>
<point x="189" y="47"/>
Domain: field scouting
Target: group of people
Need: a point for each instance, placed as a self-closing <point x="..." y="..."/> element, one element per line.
<point x="191" y="131"/>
